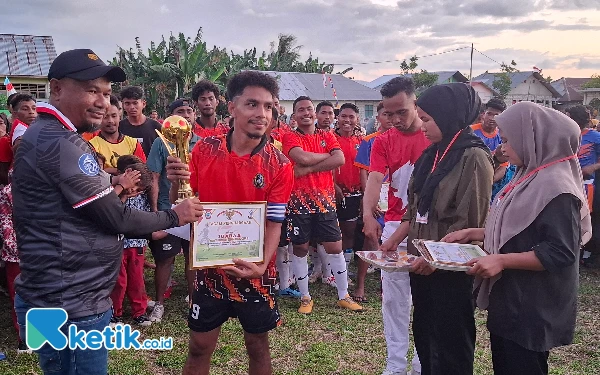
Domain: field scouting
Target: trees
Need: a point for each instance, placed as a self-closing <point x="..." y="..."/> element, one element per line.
<point x="594" y="82"/>
<point x="502" y="82"/>
<point x="423" y="79"/>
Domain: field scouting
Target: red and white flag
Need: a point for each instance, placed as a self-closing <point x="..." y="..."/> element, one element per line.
<point x="10" y="89"/>
<point x="535" y="68"/>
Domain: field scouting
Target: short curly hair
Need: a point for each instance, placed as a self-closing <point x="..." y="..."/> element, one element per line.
<point x="249" y="78"/>
<point x="350" y="106"/>
<point x="204" y="86"/>
<point x="132" y="92"/>
<point x="397" y="85"/>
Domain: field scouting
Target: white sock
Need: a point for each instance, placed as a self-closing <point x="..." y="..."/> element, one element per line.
<point x="315" y="259"/>
<point x="283" y="266"/>
<point x="300" y="267"/>
<point x="338" y="267"/>
<point x="587" y="254"/>
<point x="292" y="277"/>
<point x="324" y="257"/>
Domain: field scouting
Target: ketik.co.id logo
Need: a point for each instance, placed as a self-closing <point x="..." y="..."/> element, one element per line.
<point x="43" y="325"/>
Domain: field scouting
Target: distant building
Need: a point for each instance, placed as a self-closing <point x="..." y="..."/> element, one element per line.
<point x="570" y="91"/>
<point x="525" y="86"/>
<point x="443" y="77"/>
<point x="25" y="60"/>
<point x="591" y="97"/>
<point x="484" y="91"/>
<point x="292" y="85"/>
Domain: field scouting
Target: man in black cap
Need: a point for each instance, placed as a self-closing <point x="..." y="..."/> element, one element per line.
<point x="68" y="220"/>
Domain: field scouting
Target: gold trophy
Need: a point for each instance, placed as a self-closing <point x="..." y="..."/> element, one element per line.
<point x="177" y="131"/>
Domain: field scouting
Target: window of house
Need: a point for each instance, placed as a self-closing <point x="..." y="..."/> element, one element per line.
<point x="368" y="111"/>
<point x="38" y="91"/>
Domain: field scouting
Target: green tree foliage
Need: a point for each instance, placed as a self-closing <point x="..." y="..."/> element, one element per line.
<point x="424" y="80"/>
<point x="170" y="68"/>
<point x="502" y="83"/>
<point x="594" y="82"/>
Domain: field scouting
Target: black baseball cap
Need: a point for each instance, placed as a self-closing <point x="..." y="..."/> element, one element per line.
<point x="179" y="103"/>
<point x="83" y="65"/>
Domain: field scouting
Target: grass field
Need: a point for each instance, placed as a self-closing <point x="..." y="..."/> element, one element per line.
<point x="330" y="341"/>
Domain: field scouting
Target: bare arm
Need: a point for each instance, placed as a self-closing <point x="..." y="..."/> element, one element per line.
<point x="333" y="161"/>
<point x="153" y="196"/>
<point x="499" y="173"/>
<point x="364" y="175"/>
<point x="305" y="158"/>
<point x="372" y="190"/>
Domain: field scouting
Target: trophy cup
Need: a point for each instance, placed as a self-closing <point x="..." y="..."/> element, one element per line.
<point x="177" y="131"/>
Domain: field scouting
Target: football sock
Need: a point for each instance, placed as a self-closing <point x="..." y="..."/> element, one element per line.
<point x="338" y="268"/>
<point x="300" y="268"/>
<point x="283" y="267"/>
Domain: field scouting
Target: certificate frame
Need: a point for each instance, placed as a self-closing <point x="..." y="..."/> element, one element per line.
<point x="240" y="223"/>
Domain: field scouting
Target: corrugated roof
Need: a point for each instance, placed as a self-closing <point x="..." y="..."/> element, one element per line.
<point x="443" y="77"/>
<point x="293" y="85"/>
<point x="26" y="55"/>
<point x="516" y="79"/>
<point x="569" y="88"/>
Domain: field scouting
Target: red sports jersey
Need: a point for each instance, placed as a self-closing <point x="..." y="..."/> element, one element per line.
<point x="203" y="132"/>
<point x="219" y="175"/>
<point x="314" y="192"/>
<point x="397" y="152"/>
<point x="6" y="154"/>
<point x="17" y="130"/>
<point x="280" y="131"/>
<point x="347" y="177"/>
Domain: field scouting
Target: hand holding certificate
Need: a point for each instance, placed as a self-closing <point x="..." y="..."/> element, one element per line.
<point x="448" y="256"/>
<point x="228" y="232"/>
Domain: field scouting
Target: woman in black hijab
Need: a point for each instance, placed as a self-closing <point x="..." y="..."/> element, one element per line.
<point x="450" y="189"/>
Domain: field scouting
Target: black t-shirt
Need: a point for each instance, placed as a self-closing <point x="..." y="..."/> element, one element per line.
<point x="144" y="133"/>
<point x="66" y="261"/>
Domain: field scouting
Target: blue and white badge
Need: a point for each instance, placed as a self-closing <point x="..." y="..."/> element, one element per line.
<point x="88" y="165"/>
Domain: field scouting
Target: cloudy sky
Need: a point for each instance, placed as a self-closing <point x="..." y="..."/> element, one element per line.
<point x="558" y="36"/>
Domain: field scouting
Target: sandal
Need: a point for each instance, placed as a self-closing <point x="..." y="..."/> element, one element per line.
<point x="360" y="299"/>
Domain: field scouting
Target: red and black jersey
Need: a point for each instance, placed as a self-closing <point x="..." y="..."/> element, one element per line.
<point x="314" y="192"/>
<point x="201" y="131"/>
<point x="347" y="177"/>
<point x="278" y="132"/>
<point x="219" y="175"/>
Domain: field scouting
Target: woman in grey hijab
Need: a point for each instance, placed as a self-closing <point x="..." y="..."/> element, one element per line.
<point x="535" y="229"/>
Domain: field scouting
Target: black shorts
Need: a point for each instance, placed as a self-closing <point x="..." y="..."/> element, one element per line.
<point x="319" y="227"/>
<point x="349" y="210"/>
<point x="168" y="247"/>
<point x="207" y="313"/>
<point x="284" y="239"/>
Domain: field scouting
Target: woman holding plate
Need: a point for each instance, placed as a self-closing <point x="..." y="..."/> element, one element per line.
<point x="536" y="227"/>
<point x="450" y="189"/>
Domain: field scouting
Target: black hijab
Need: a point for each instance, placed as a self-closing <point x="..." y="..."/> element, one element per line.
<point x="453" y="107"/>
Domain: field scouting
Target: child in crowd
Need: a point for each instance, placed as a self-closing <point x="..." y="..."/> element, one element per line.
<point x="131" y="277"/>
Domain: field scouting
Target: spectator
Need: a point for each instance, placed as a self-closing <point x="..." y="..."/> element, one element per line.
<point x="137" y="125"/>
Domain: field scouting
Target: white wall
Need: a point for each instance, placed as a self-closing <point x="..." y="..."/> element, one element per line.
<point x="589" y="95"/>
<point x="484" y="93"/>
<point x="530" y="90"/>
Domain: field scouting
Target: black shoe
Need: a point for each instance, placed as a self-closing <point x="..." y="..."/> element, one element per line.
<point x="142" y="320"/>
<point x="114" y="320"/>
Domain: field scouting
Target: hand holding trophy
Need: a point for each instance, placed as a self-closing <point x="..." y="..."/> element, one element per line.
<point x="177" y="131"/>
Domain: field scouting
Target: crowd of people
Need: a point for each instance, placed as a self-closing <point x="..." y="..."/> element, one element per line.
<point x="86" y="192"/>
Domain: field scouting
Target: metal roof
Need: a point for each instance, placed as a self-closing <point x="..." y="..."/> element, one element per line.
<point x="569" y="88"/>
<point x="26" y="55"/>
<point x="516" y="79"/>
<point x="293" y="85"/>
<point x="443" y="77"/>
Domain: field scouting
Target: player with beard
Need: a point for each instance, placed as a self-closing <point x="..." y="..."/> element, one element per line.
<point x="206" y="96"/>
<point x="394" y="153"/>
<point x="240" y="166"/>
<point x="111" y="143"/>
<point x="315" y="153"/>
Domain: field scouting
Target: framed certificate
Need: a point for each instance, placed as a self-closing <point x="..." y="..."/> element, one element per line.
<point x="226" y="231"/>
<point x="448" y="256"/>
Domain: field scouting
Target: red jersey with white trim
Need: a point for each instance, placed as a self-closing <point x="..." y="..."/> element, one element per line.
<point x="314" y="192"/>
<point x="219" y="175"/>
<point x="17" y="130"/>
<point x="397" y="152"/>
<point x="347" y="177"/>
<point x="203" y="132"/>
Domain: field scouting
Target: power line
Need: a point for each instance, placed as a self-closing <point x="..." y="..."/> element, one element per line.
<point x="398" y="60"/>
<point x="483" y="54"/>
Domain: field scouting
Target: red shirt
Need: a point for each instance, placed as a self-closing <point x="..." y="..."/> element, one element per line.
<point x="397" y="152"/>
<point x="347" y="177"/>
<point x="314" y="192"/>
<point x="6" y="154"/>
<point x="203" y="132"/>
<point x="219" y="175"/>
<point x="280" y="131"/>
